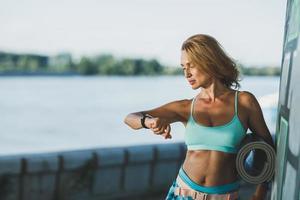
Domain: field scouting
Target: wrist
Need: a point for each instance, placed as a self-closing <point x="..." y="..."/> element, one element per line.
<point x="144" y="120"/>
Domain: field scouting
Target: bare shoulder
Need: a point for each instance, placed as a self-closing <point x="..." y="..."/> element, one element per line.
<point x="256" y="121"/>
<point x="185" y="102"/>
<point x="184" y="109"/>
<point x="247" y="99"/>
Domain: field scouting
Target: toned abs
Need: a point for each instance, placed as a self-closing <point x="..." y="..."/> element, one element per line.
<point x="210" y="168"/>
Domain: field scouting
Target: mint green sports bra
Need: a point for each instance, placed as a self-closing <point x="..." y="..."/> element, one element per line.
<point x="225" y="138"/>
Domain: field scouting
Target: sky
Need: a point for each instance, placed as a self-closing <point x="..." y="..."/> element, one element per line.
<point x="250" y="31"/>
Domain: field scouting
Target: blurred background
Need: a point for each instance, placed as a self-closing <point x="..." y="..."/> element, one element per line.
<point x="70" y="71"/>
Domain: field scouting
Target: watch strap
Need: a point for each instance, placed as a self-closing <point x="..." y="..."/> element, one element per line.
<point x="143" y="120"/>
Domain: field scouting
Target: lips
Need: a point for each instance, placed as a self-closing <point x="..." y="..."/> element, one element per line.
<point x="192" y="82"/>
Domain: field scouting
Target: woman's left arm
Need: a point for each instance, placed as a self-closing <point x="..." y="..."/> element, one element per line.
<point x="257" y="125"/>
<point x="256" y="121"/>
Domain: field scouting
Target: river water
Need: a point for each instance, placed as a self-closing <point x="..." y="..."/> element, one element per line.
<point x="46" y="114"/>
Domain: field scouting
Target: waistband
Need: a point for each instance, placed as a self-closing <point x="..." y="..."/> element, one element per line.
<point x="220" y="189"/>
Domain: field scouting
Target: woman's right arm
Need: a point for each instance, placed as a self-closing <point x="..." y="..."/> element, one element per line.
<point x="161" y="117"/>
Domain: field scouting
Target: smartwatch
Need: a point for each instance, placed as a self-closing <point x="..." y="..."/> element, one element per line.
<point x="143" y="120"/>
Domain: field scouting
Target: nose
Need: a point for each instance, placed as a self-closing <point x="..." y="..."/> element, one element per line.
<point x="187" y="73"/>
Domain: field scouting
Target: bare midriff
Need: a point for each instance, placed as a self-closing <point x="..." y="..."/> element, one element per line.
<point x="210" y="168"/>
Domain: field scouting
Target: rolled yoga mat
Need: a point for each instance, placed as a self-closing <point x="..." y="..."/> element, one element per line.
<point x="255" y="161"/>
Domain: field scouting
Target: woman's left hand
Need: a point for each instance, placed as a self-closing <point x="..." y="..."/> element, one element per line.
<point x="260" y="193"/>
<point x="257" y="197"/>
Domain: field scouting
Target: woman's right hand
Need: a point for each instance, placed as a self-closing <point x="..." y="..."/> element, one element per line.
<point x="159" y="126"/>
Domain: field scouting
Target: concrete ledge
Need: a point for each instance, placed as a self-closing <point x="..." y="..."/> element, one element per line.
<point x="38" y="186"/>
<point x="41" y="162"/>
<point x="168" y="151"/>
<point x="110" y="156"/>
<point x="108" y="181"/>
<point x="133" y="172"/>
<point x="9" y="187"/>
<point x="10" y="164"/>
<point x="76" y="159"/>
<point x="140" y="154"/>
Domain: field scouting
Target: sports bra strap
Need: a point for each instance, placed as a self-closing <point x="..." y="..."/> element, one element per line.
<point x="192" y="106"/>
<point x="236" y="102"/>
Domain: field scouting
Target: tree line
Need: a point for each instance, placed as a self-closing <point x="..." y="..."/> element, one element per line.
<point x="105" y="64"/>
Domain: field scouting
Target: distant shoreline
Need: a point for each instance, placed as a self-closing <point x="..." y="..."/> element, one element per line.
<point x="12" y="64"/>
<point x="69" y="74"/>
<point x="39" y="74"/>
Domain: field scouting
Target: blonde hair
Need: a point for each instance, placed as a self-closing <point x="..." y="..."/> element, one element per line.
<point x="208" y="54"/>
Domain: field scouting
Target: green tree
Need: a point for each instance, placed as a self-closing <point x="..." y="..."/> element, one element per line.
<point x="87" y="67"/>
<point x="126" y="67"/>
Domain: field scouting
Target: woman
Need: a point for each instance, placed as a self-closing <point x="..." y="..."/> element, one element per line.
<point x="216" y="120"/>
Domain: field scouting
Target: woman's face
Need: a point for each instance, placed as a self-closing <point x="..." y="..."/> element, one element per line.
<point x="195" y="76"/>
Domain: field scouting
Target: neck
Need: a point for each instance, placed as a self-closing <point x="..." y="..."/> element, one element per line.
<point x="214" y="90"/>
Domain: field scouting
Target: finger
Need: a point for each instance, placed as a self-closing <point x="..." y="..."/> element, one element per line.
<point x="162" y="129"/>
<point x="168" y="129"/>
<point x="159" y="130"/>
<point x="168" y="132"/>
<point x="167" y="136"/>
<point x="154" y="128"/>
